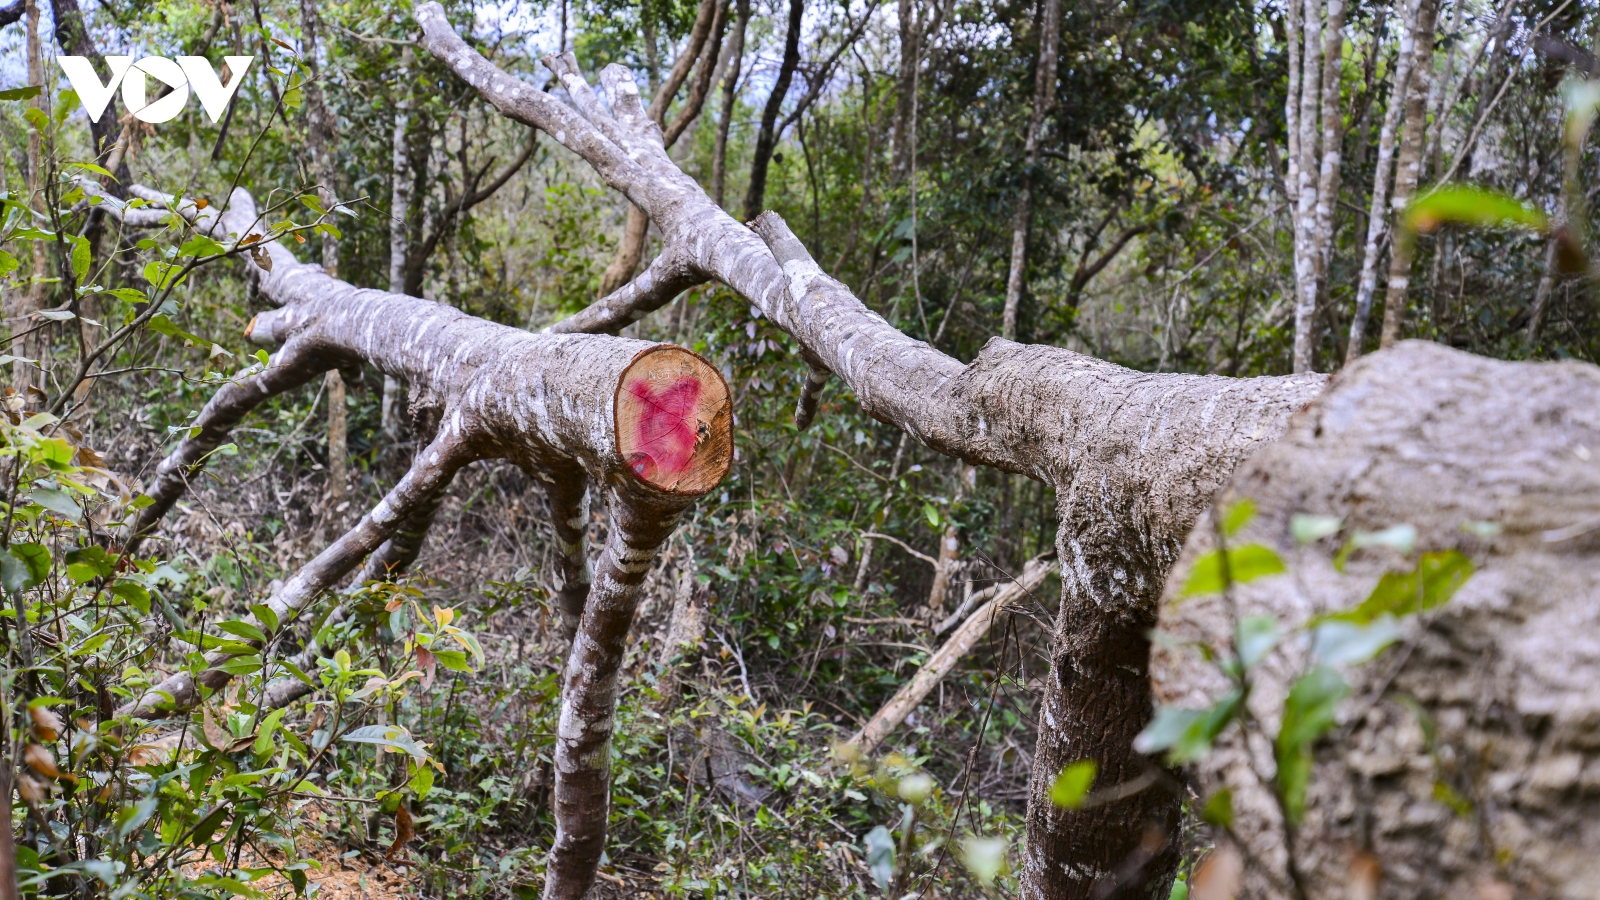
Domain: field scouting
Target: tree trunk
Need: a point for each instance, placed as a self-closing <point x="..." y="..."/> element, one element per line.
<point x="767" y="138"/>
<point x="730" y="87"/>
<point x="1128" y="490"/>
<point x="1332" y="137"/>
<point x="1490" y="701"/>
<point x="651" y="423"/>
<point x="1304" y="213"/>
<point x="1377" y="215"/>
<point x="400" y="180"/>
<point x="1044" y="97"/>
<point x="1408" y="167"/>
<point x="1541" y="296"/>
<point x="31" y="298"/>
<point x="905" y="73"/>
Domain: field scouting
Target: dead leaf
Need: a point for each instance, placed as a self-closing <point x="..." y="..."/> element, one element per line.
<point x="404" y="830"/>
<point x="262" y="259"/>
<point x="1219" y="876"/>
<point x="299" y="237"/>
<point x="428" y="663"/>
<point x="144" y="755"/>
<point x="41" y="760"/>
<point x="1366" y="872"/>
<point x="46" y="724"/>
<point x="217" y="738"/>
<point x="250" y="239"/>
<point x="201" y="203"/>
<point x="32" y="788"/>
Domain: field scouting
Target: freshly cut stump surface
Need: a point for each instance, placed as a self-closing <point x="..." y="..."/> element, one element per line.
<point x="674" y="421"/>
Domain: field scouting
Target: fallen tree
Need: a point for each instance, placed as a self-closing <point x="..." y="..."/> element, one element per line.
<point x="1135" y="458"/>
<point x="648" y="425"/>
<point x="1464" y="762"/>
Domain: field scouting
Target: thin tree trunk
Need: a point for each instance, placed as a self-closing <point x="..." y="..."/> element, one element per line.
<point x="1408" y="165"/>
<point x="637" y="226"/>
<point x="1377" y="214"/>
<point x="1044" y="95"/>
<point x="31" y="298"/>
<point x="1305" y="234"/>
<point x="888" y="717"/>
<point x="730" y="88"/>
<point x="400" y="181"/>
<point x="910" y="53"/>
<point x="767" y="138"/>
<point x="319" y="146"/>
<point x="1332" y="137"/>
<point x="1295" y="36"/>
<point x="1541" y="297"/>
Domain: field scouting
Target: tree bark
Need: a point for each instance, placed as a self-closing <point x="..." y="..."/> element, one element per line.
<point x="730" y="87"/>
<point x="1304" y="212"/>
<point x="1408" y="167"/>
<point x="1491" y="697"/>
<point x="651" y="423"/>
<point x="1332" y="138"/>
<point x="400" y="180"/>
<point x="711" y="16"/>
<point x="1134" y="457"/>
<point x="767" y="137"/>
<point x="1541" y="296"/>
<point x="1377" y="215"/>
<point x="1044" y="95"/>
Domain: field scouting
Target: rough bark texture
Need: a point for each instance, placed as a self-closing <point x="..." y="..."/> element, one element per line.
<point x="1408" y="167"/>
<point x="1378" y="214"/>
<point x="649" y="424"/>
<point x="1506" y="672"/>
<point x="1044" y="95"/>
<point x="1134" y="457"/>
<point x="730" y="89"/>
<point x="1304" y="211"/>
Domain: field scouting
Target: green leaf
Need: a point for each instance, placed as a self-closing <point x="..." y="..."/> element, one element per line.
<point x="93" y="560"/>
<point x="454" y="660"/>
<point x="392" y="736"/>
<point x="1340" y="642"/>
<point x="243" y="629"/>
<point x="80" y="259"/>
<point x="162" y="275"/>
<point x="422" y="782"/>
<point x="134" y="593"/>
<point x="1257" y="635"/>
<point x="58" y="502"/>
<point x="313" y="203"/>
<point x="242" y="665"/>
<point x="931" y="514"/>
<point x="1308" y="529"/>
<point x="1452" y="798"/>
<point x="90" y="167"/>
<point x="1219" y="809"/>
<point x="129" y="818"/>
<point x="1071" y="785"/>
<point x="1187" y="734"/>
<point x="1308" y="713"/>
<point x="1474" y="207"/>
<point x="880" y="856"/>
<point x="1436" y="578"/>
<point x="200" y="245"/>
<point x="265" y="616"/>
<point x="35" y="116"/>
<point x="22" y="93"/>
<point x="208" y="826"/>
<point x="1245" y="564"/>
<point x="1238" y="516"/>
<point x="24" y="566"/>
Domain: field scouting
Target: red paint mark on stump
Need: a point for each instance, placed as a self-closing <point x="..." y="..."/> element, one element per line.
<point x="665" y="431"/>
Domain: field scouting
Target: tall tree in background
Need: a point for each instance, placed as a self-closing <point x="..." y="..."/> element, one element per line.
<point x="1044" y="94"/>
<point x="1313" y="112"/>
<point x="767" y="137"/>
<point x="1408" y="170"/>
